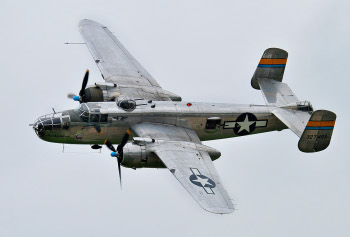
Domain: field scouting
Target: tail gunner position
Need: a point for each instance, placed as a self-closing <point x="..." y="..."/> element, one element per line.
<point x="155" y="129"/>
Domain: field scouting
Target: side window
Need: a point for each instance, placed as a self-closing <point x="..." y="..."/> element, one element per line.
<point x="213" y="123"/>
<point x="94" y="118"/>
<point x="104" y="118"/>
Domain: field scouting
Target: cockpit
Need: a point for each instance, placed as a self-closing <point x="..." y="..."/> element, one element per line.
<point x="97" y="112"/>
<point x="91" y="114"/>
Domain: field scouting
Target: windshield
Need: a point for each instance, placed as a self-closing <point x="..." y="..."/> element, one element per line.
<point x="84" y="112"/>
<point x="92" y="115"/>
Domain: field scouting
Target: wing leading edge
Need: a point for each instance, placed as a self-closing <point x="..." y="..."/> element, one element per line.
<point x="189" y="161"/>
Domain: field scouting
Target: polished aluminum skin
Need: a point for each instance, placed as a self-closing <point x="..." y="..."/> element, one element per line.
<point x="167" y="132"/>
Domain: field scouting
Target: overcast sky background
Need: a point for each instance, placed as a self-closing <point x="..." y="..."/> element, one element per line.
<point x="204" y="51"/>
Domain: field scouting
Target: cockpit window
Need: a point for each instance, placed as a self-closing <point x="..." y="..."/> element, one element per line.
<point x="104" y="118"/>
<point x="91" y="113"/>
<point x="84" y="112"/>
<point x="94" y="118"/>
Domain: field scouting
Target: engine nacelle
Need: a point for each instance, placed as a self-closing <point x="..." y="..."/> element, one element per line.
<point x="136" y="155"/>
<point x="93" y="94"/>
<point x="101" y="92"/>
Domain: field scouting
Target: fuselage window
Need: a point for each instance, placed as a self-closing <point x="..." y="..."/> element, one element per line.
<point x="213" y="123"/>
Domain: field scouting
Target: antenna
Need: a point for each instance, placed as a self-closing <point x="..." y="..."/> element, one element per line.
<point x="73" y="43"/>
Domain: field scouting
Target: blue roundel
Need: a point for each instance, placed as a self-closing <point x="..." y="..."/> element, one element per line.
<point x="202" y="181"/>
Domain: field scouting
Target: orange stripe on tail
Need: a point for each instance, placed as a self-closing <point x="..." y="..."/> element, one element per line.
<point x="273" y="61"/>
<point x="320" y="124"/>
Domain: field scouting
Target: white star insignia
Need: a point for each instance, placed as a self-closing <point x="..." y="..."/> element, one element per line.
<point x="245" y="124"/>
<point x="200" y="180"/>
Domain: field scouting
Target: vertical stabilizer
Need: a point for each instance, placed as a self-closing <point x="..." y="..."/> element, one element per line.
<point x="271" y="66"/>
<point x="318" y="131"/>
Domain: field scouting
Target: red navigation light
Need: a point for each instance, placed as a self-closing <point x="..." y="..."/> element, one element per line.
<point x="189" y="104"/>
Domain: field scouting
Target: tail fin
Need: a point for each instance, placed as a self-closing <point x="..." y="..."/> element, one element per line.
<point x="271" y="66"/>
<point x="318" y="131"/>
<point x="315" y="131"/>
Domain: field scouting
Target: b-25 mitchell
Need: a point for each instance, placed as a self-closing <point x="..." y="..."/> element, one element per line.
<point x="156" y="129"/>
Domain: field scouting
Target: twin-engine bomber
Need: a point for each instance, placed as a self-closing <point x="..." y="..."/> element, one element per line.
<point x="156" y="129"/>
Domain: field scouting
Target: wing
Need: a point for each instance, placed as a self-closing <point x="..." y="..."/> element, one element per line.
<point x="118" y="66"/>
<point x="189" y="161"/>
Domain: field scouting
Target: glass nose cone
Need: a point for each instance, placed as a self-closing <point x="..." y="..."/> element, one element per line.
<point x="51" y="122"/>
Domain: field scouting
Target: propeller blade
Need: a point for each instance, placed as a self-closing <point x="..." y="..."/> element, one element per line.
<point x="85" y="81"/>
<point x="120" y="171"/>
<point x="109" y="145"/>
<point x="98" y="128"/>
<point x="119" y="152"/>
<point x="124" y="141"/>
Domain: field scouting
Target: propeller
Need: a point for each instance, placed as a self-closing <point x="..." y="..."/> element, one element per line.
<point x="98" y="128"/>
<point x="119" y="152"/>
<point x="81" y="96"/>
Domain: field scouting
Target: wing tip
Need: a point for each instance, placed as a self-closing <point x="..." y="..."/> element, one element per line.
<point x="216" y="210"/>
<point x="89" y="22"/>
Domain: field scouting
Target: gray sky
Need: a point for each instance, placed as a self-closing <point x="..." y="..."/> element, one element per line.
<point x="203" y="51"/>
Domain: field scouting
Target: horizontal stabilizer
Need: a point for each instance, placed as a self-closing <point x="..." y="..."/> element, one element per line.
<point x="271" y="66"/>
<point x="318" y="131"/>
<point x="295" y="120"/>
<point x="276" y="93"/>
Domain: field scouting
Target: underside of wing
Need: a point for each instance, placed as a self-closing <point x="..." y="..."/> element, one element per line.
<point x="196" y="172"/>
<point x="118" y="66"/>
<point x="189" y="161"/>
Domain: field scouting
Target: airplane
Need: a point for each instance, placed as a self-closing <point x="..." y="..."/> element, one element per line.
<point x="156" y="129"/>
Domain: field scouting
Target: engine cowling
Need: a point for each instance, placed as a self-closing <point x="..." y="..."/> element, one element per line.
<point x="93" y="94"/>
<point x="101" y="92"/>
<point x="139" y="156"/>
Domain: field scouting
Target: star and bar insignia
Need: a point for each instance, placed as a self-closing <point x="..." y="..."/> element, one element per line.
<point x="245" y="124"/>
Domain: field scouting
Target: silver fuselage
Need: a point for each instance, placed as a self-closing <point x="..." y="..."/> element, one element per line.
<point x="94" y="122"/>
